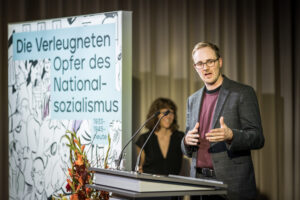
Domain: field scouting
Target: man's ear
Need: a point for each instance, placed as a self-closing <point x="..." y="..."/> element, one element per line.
<point x="221" y="62"/>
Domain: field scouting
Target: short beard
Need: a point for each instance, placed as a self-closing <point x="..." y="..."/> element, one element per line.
<point x="217" y="78"/>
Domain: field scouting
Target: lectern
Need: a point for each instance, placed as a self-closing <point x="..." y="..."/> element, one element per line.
<point x="133" y="185"/>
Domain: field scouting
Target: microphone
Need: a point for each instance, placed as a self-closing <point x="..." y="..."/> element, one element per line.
<point x="133" y="136"/>
<point x="139" y="156"/>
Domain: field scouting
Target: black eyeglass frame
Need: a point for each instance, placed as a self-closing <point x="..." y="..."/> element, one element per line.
<point x="208" y="63"/>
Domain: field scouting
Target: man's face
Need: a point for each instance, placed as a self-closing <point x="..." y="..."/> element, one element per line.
<point x="38" y="175"/>
<point x="64" y="151"/>
<point x="208" y="74"/>
<point x="18" y="155"/>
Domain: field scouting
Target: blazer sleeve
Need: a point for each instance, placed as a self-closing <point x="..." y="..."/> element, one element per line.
<point x="186" y="149"/>
<point x="250" y="135"/>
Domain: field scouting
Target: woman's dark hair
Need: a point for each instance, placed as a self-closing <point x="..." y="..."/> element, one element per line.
<point x="157" y="105"/>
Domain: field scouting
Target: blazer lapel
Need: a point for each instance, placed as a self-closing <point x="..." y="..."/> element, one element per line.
<point x="198" y="100"/>
<point x="220" y="103"/>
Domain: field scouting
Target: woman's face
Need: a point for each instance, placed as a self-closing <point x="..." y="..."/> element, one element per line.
<point x="166" y="121"/>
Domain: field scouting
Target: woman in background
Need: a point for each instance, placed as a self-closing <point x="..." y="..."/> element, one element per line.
<point x="162" y="154"/>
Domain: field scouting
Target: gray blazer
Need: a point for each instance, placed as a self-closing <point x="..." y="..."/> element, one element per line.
<point x="237" y="103"/>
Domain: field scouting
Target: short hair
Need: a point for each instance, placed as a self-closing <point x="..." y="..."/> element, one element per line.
<point x="158" y="104"/>
<point x="203" y="44"/>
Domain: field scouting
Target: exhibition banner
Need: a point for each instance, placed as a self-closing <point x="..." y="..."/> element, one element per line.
<point x="70" y="73"/>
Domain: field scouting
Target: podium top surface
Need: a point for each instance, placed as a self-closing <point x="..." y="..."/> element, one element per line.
<point x="162" y="178"/>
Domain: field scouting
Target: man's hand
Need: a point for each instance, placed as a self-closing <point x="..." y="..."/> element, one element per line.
<point x="220" y="134"/>
<point x="192" y="137"/>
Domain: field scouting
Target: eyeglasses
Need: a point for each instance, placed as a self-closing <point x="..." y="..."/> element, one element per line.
<point x="208" y="63"/>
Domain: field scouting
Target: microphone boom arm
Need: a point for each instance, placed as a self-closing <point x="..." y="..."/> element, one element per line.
<point x="121" y="154"/>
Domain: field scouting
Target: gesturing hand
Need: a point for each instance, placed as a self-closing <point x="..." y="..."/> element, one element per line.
<point x="192" y="137"/>
<point x="220" y="134"/>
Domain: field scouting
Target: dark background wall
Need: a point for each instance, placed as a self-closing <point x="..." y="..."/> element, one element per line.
<point x="260" y="44"/>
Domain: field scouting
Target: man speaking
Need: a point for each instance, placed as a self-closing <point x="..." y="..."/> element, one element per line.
<point x="223" y="125"/>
